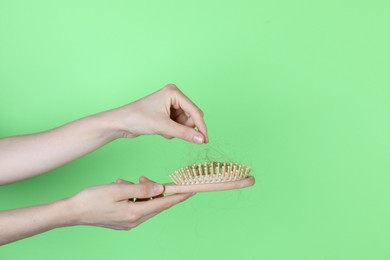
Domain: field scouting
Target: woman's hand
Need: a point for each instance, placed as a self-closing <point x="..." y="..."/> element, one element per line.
<point x="167" y="112"/>
<point x="109" y="206"/>
<point x="112" y="205"/>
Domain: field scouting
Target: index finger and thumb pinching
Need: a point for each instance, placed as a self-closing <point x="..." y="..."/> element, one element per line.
<point x="184" y="132"/>
<point x="194" y="112"/>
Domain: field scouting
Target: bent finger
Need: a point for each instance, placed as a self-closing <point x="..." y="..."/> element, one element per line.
<point x="123" y="181"/>
<point x="184" y="132"/>
<point x="194" y="112"/>
<point x="159" y="204"/>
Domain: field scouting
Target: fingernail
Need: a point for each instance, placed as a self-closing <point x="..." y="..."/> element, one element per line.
<point x="198" y="139"/>
<point x="158" y="188"/>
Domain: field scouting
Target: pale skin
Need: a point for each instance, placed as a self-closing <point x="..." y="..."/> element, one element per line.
<point x="166" y="112"/>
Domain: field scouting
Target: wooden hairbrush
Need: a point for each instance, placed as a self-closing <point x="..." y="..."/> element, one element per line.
<point x="212" y="176"/>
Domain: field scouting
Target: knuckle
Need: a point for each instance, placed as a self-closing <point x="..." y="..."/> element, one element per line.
<point x="134" y="225"/>
<point x="201" y="112"/>
<point x="198" y="110"/>
<point x="170" y="87"/>
<point x="130" y="226"/>
<point x="167" y="137"/>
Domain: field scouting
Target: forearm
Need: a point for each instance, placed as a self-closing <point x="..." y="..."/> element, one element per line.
<point x="25" y="222"/>
<point x="29" y="155"/>
<point x="167" y="112"/>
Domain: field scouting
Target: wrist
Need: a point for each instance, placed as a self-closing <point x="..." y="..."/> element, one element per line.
<point x="66" y="213"/>
<point x="80" y="209"/>
<point x="109" y="124"/>
<point x="122" y="122"/>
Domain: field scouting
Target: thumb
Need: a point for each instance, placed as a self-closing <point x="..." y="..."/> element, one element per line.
<point x="142" y="190"/>
<point x="184" y="132"/>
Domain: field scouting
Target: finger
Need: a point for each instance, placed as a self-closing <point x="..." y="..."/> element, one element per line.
<point x="184" y="132"/>
<point x="146" y="217"/>
<point x="160" y="204"/>
<point x="177" y="113"/>
<point x="154" y="213"/>
<point x="128" y="182"/>
<point x="190" y="122"/>
<point x="167" y="136"/>
<point x="123" y="181"/>
<point x="185" y="120"/>
<point x="178" y="101"/>
<point x="179" y="116"/>
<point x="143" y="179"/>
<point x="193" y="111"/>
<point x="142" y="190"/>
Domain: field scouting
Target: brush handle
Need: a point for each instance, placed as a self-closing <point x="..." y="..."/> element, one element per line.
<point x="171" y="188"/>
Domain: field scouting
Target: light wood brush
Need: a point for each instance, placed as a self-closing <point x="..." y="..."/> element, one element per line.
<point x="210" y="176"/>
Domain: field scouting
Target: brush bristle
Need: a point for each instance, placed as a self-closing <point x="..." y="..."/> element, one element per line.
<point x="213" y="172"/>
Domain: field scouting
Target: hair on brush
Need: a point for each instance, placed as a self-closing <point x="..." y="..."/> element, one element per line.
<point x="210" y="176"/>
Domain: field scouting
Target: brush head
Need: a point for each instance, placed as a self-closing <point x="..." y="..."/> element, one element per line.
<point x="210" y="176"/>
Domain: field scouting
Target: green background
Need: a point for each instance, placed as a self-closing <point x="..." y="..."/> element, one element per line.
<point x="299" y="90"/>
